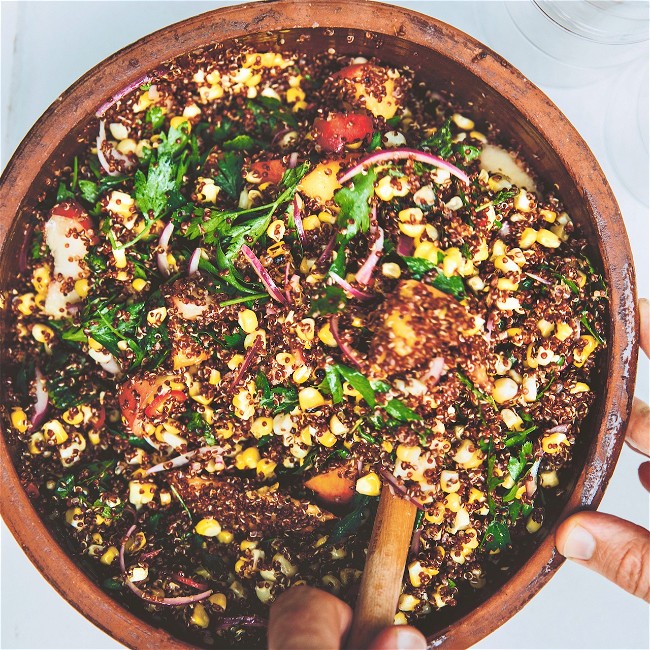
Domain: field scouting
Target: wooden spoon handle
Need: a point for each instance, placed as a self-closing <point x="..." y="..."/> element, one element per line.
<point x="381" y="582"/>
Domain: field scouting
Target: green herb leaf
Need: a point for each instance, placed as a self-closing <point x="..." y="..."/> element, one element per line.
<point x="418" y="266"/>
<point x="398" y="410"/>
<point x="497" y="536"/>
<point x="585" y="321"/>
<point x="332" y="384"/>
<point x="359" y="515"/>
<point x="453" y="285"/>
<point x="229" y="177"/>
<point x="156" y="117"/>
<point x="196" y="424"/>
<point x="354" y="202"/>
<point x="441" y="141"/>
<point x="358" y="382"/>
<point x="332" y="301"/>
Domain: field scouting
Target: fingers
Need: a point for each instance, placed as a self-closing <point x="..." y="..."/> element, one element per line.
<point x="644" y="475"/>
<point x="617" y="549"/>
<point x="644" y="317"/>
<point x="638" y="429"/>
<point x="303" y="618"/>
<point x="399" y="637"/>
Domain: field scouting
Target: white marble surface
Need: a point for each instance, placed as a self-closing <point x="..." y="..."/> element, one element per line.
<point x="48" y="45"/>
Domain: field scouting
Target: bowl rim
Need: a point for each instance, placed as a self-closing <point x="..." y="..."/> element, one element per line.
<point x="81" y="99"/>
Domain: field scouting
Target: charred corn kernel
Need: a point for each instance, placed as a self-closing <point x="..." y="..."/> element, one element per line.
<point x="498" y="182"/>
<point x="26" y="304"/>
<point x="391" y="270"/>
<point x="388" y="188"/>
<point x="579" y="387"/>
<point x="548" y="215"/>
<point x="109" y="555"/>
<point x="452" y="502"/>
<point x="19" y="420"/>
<point x="312" y="222"/>
<point x="95" y="437"/>
<point x="387" y="446"/>
<point x="299" y="106"/>
<point x="247" y="544"/>
<point x="511" y="419"/>
<point x="35" y="442"/>
<point x="563" y="331"/>
<point x="276" y="230"/>
<point x="248" y="458"/>
<point x="82" y="287"/>
<point x="327" y="439"/>
<point x="415" y="571"/>
<point x="410" y="215"/>
<point x="218" y="600"/>
<point x="549" y="479"/>
<point x="532" y="525"/>
<point x="141" y="493"/>
<point x="407" y="602"/>
<point x="552" y="443"/>
<point x="475" y="496"/>
<point x="301" y="375"/>
<point x="54" y="433"/>
<point x="206" y="190"/>
<point x="295" y="94"/>
<point x="529" y="388"/>
<point x="499" y="248"/>
<point x="327" y="217"/>
<point x="449" y="481"/>
<point x="504" y="390"/>
<point x="41" y="278"/>
<point x="138" y="284"/>
<point x="506" y="264"/>
<point x="235" y="361"/>
<point x="120" y="258"/>
<point x="285" y="359"/>
<point x="310" y="398"/>
<point x="305" y="329"/>
<point x="156" y="316"/>
<point x="74" y="517"/>
<point x="179" y="121"/>
<point x="408" y="454"/>
<point x="523" y="202"/>
<point x="122" y="276"/>
<point x="506" y="284"/>
<point x="73" y="416"/>
<point x="452" y="262"/>
<point x="412" y="229"/>
<point x="436" y="514"/>
<point x="266" y="468"/>
<point x="325" y="335"/>
<point x="527" y="238"/>
<point x="337" y="427"/>
<point x="306" y="265"/>
<point x="474" y="541"/>
<point x="370" y="485"/>
<point x="468" y="455"/>
<point x="248" y="320"/>
<point x="462" y="122"/>
<point x="547" y="238"/>
<point x="400" y="619"/>
<point x="208" y="527"/>
<point x="580" y="356"/>
<point x="426" y="250"/>
<point x="545" y="327"/>
<point x="225" y="537"/>
<point x="476" y="284"/>
<point x="581" y="280"/>
<point x="262" y="426"/>
<point x="199" y="616"/>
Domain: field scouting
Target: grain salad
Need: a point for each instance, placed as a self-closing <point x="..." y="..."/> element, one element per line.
<point x="269" y="284"/>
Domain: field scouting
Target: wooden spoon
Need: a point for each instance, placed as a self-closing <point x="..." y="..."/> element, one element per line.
<point x="381" y="582"/>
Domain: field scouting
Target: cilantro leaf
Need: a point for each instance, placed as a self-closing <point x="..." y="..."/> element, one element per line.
<point x="229" y="177"/>
<point x="152" y="190"/>
<point x="497" y="536"/>
<point x="332" y="384"/>
<point x="441" y="140"/>
<point x="453" y="285"/>
<point x="354" y="202"/>
<point x="332" y="301"/>
<point x="398" y="410"/>
<point x="358" y="382"/>
<point x="418" y="266"/>
<point x="197" y="424"/>
<point x="354" y="520"/>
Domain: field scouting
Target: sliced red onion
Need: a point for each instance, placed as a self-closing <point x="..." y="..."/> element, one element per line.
<point x="125" y="91"/>
<point x="405" y="245"/>
<point x="122" y="546"/>
<point x="149" y="554"/>
<point x="297" y="218"/>
<point x="560" y="428"/>
<point x="400" y="489"/>
<point x="531" y="479"/>
<point x="246" y="621"/>
<point x="42" y="400"/>
<point x="537" y="277"/>
<point x="434" y="371"/>
<point x="193" y="266"/>
<point x="325" y="255"/>
<point x="364" y="274"/>
<point x="401" y="154"/>
<point x="264" y="276"/>
<point x="253" y="350"/>
<point x="179" y="577"/>
<point x="214" y="450"/>
<point x="101" y="139"/>
<point x="356" y="293"/>
<point x="293" y="160"/>
<point x="163" y="244"/>
<point x="345" y="348"/>
<point x="415" y="542"/>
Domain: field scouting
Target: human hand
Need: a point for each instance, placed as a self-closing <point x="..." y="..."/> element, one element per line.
<point x="615" y="548"/>
<point x="304" y="618"/>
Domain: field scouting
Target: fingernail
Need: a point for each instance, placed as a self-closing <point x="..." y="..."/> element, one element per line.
<point x="408" y="639"/>
<point x="580" y="544"/>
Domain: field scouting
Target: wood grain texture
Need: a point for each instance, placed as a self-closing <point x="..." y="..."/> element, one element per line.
<point x="381" y="582"/>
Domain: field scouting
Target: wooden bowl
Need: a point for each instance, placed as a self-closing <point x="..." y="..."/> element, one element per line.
<point x="445" y="58"/>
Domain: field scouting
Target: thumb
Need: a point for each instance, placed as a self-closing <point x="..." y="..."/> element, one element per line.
<point x="617" y="549"/>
